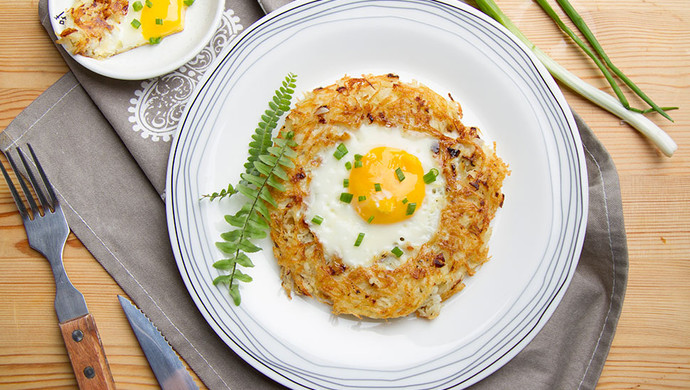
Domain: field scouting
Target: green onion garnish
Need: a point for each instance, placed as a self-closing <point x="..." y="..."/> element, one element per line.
<point x="397" y="251"/>
<point x="430" y="176"/>
<point x="399" y="174"/>
<point x="188" y="2"/>
<point x="155" y="40"/>
<point x="370" y="219"/>
<point x="358" y="163"/>
<point x="137" y="6"/>
<point x="405" y="201"/>
<point x="358" y="157"/>
<point x="135" y="23"/>
<point x="361" y="198"/>
<point x="317" y="219"/>
<point x="348" y="165"/>
<point x="410" y="208"/>
<point x="340" y="151"/>
<point x="346" y="183"/>
<point x="346" y="197"/>
<point x="360" y="237"/>
<point x="377" y="186"/>
<point x="149" y="3"/>
<point x="159" y="21"/>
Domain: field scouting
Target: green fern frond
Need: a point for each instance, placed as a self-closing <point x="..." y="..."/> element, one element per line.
<point x="264" y="169"/>
<point x="262" y="138"/>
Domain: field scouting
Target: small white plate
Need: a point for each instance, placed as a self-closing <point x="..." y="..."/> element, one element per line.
<point x="504" y="90"/>
<point x="202" y="21"/>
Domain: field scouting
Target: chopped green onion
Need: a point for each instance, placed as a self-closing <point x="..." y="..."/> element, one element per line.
<point x="317" y="219"/>
<point x="358" y="157"/>
<point x="397" y="252"/>
<point x="159" y="21"/>
<point x="370" y="219"/>
<point x="340" y="151"/>
<point x="188" y="2"/>
<point x="405" y="201"/>
<point x="348" y="165"/>
<point x="346" y="197"/>
<point x="358" y="163"/>
<point x="137" y="6"/>
<point x="346" y="183"/>
<point x="149" y="3"/>
<point x="377" y="186"/>
<point x="360" y="237"/>
<point x="155" y="40"/>
<point x="361" y="198"/>
<point x="135" y="23"/>
<point x="430" y="176"/>
<point x="410" y="208"/>
<point x="399" y="174"/>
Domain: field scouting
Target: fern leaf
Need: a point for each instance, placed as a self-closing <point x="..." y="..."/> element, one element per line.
<point x="263" y="169"/>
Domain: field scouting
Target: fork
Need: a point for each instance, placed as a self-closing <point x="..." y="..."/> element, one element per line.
<point x="47" y="231"/>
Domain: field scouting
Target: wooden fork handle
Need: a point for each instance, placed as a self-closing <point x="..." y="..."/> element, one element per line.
<point x="86" y="353"/>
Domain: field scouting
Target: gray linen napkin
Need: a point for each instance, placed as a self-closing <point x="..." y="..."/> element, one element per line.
<point x="106" y="153"/>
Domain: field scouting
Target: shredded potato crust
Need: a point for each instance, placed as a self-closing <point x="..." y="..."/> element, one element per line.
<point x="473" y="174"/>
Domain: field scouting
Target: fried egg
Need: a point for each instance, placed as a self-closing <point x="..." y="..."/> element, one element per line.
<point x="361" y="225"/>
<point x="376" y="196"/>
<point x="103" y="28"/>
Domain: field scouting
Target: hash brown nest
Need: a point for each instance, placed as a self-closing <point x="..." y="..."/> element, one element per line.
<point x="473" y="174"/>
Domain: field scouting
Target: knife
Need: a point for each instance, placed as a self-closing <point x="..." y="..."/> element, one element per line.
<point x="167" y="367"/>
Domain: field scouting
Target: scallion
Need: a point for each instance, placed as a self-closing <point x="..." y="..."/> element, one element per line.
<point x="399" y="174"/>
<point x="370" y="219"/>
<point x="135" y="23"/>
<point x="358" y="163"/>
<point x="361" y="198"/>
<point x="149" y="3"/>
<point x="346" y="183"/>
<point x="377" y="187"/>
<point x="159" y="21"/>
<point x="360" y="238"/>
<point x="317" y="219"/>
<point x="348" y="165"/>
<point x="637" y="120"/>
<point x="188" y="2"/>
<point x="340" y="151"/>
<point x="346" y="197"/>
<point x="397" y="251"/>
<point x="430" y="176"/>
<point x="587" y="33"/>
<point x="155" y="40"/>
<point x="137" y="6"/>
<point x="410" y="208"/>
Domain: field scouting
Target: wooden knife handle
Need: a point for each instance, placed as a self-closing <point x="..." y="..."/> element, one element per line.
<point x="86" y="353"/>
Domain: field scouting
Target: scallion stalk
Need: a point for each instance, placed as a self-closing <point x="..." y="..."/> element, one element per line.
<point x="640" y="122"/>
<point x="587" y="33"/>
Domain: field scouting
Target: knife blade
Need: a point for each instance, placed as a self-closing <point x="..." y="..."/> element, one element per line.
<point x="167" y="367"/>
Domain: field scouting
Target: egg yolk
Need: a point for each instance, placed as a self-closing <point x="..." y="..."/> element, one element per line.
<point x="162" y="18"/>
<point x="388" y="185"/>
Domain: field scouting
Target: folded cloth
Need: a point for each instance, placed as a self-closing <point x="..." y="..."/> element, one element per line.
<point x="104" y="144"/>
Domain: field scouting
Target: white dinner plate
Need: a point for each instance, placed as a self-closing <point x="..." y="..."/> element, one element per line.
<point x="201" y="22"/>
<point x="505" y="91"/>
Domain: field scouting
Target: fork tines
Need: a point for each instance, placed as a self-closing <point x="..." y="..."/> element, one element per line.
<point x="47" y="200"/>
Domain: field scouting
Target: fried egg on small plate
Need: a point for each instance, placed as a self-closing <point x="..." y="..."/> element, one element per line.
<point x="201" y="20"/>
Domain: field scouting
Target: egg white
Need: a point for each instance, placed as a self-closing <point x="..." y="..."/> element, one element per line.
<point x="341" y="224"/>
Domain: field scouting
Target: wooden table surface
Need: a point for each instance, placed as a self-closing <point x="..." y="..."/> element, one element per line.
<point x="648" y="39"/>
